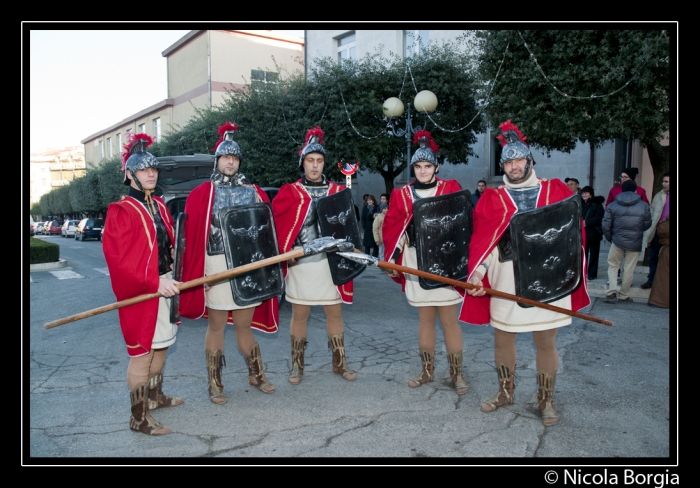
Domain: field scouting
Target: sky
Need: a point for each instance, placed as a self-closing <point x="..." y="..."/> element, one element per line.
<point x="83" y="81"/>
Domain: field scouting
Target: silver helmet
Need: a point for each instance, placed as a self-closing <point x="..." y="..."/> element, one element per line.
<point x="428" y="148"/>
<point x="135" y="158"/>
<point x="514" y="146"/>
<point x="313" y="144"/>
<point x="226" y="146"/>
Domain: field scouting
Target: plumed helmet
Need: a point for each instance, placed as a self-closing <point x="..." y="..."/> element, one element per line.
<point x="312" y="144"/>
<point x="513" y="143"/>
<point x="428" y="149"/>
<point x="226" y="146"/>
<point x="135" y="157"/>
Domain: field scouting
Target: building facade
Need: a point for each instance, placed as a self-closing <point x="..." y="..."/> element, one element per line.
<point x="54" y="168"/>
<point x="202" y="67"/>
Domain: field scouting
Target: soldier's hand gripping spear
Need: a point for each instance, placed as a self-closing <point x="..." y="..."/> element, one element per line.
<point x="368" y="260"/>
<point x="322" y="244"/>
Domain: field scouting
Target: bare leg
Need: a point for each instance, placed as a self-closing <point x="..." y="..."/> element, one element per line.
<point x="426" y="329"/>
<point x="451" y="328"/>
<point x="137" y="371"/>
<point x="214" y="338"/>
<point x="300" y="317"/>
<point x="504" y="351"/>
<point x="244" y="334"/>
<point x="546" y="344"/>
<point x="334" y="319"/>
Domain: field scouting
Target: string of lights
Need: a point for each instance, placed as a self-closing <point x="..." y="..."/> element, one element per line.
<point x="544" y="75"/>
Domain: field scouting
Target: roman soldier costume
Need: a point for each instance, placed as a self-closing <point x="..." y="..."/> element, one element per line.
<point x="206" y="254"/>
<point x="137" y="244"/>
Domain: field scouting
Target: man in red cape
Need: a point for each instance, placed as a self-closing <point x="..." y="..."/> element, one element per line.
<point x="204" y="255"/>
<point x="137" y="245"/>
<point x="522" y="191"/>
<point x="308" y="281"/>
<point x="439" y="302"/>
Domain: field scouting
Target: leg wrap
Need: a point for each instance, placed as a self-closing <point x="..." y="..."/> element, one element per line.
<point x="156" y="397"/>
<point x="427" y="373"/>
<point x="298" y="346"/>
<point x="340" y="365"/>
<point x="141" y="420"/>
<point x="256" y="375"/>
<point x="545" y="396"/>
<point x="215" y="361"/>
<point x="461" y="386"/>
<point x="505" y="395"/>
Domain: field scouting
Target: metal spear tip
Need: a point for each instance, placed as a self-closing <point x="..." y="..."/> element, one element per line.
<point x="326" y="244"/>
<point x="361" y="258"/>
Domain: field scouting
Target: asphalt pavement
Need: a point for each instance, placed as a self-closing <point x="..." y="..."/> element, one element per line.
<point x="616" y="391"/>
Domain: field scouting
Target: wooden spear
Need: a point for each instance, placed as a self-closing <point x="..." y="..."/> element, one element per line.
<point x="372" y="261"/>
<point x="319" y="245"/>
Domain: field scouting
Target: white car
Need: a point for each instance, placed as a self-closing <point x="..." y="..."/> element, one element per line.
<point x="68" y="229"/>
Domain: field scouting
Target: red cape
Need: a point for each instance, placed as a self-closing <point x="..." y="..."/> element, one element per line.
<point x="130" y="247"/>
<point x="400" y="215"/>
<point x="198" y="208"/>
<point x="491" y="219"/>
<point x="289" y="208"/>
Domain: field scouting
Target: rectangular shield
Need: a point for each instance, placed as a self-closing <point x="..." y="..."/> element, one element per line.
<point x="177" y="264"/>
<point x="336" y="218"/>
<point x="546" y="246"/>
<point x="443" y="229"/>
<point x="249" y="236"/>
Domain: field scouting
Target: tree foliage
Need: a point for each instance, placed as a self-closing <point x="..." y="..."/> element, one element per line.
<point x="355" y="91"/>
<point x="562" y="86"/>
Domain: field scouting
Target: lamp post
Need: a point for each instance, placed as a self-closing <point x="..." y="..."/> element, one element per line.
<point x="424" y="101"/>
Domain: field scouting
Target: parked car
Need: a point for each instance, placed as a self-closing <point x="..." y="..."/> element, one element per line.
<point x="39" y="228"/>
<point x="68" y="229"/>
<point x="53" y="227"/>
<point x="89" y="229"/>
<point x="31" y="228"/>
<point x="179" y="175"/>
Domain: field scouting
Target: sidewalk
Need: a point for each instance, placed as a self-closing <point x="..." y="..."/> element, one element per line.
<point x="598" y="287"/>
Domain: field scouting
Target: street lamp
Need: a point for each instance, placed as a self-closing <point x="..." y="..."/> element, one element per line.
<point x="424" y="101"/>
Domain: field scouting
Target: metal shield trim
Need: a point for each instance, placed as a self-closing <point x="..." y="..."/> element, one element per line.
<point x="443" y="230"/>
<point x="249" y="236"/>
<point x="336" y="218"/>
<point x="547" y="250"/>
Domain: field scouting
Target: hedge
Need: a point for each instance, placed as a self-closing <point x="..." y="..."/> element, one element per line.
<point x="41" y="251"/>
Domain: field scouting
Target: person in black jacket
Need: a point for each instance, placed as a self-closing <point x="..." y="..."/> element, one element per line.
<point x="592" y="212"/>
<point x="624" y="223"/>
<point x="367" y="219"/>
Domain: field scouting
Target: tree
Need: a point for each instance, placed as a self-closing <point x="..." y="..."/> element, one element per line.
<point x="562" y="86"/>
<point x="353" y="94"/>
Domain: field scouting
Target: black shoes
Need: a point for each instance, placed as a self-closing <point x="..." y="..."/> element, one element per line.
<point x="646" y="286"/>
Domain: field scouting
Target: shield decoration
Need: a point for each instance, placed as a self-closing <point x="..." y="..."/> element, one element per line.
<point x="177" y="264"/>
<point x="336" y="218"/>
<point x="249" y="236"/>
<point x="443" y="229"/>
<point x="546" y="245"/>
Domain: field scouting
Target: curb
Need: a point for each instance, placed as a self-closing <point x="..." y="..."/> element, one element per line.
<point x="61" y="263"/>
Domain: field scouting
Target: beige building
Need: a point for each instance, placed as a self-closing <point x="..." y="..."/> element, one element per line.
<point x="202" y="68"/>
<point x="54" y="168"/>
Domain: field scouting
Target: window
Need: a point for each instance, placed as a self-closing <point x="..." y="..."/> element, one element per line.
<point x="102" y="150"/>
<point x="119" y="142"/>
<point x="259" y="76"/>
<point x="346" y="48"/>
<point x="495" y="149"/>
<point x="142" y="128"/>
<point x="156" y="129"/>
<point x="414" y="41"/>
<point x="109" y="147"/>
